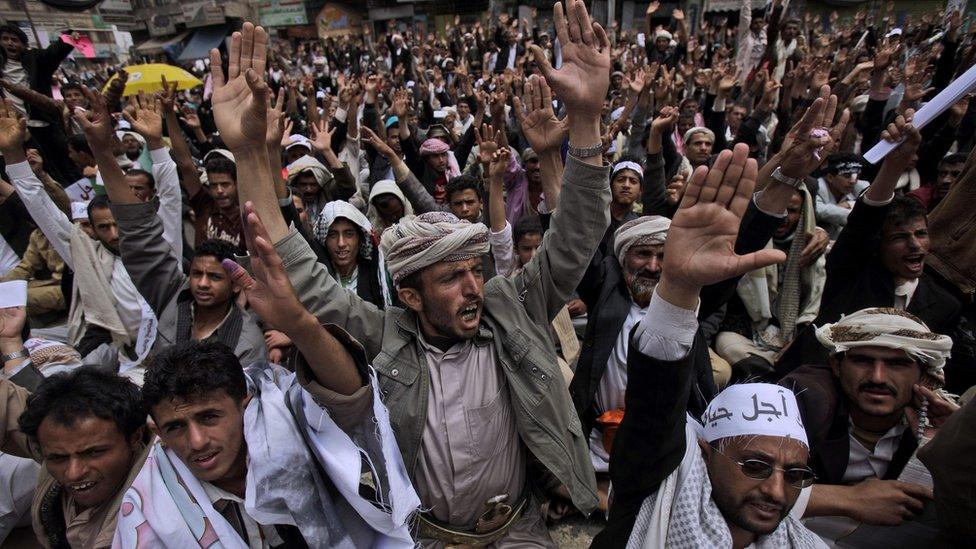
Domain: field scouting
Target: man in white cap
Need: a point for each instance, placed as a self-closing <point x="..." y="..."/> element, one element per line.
<point x="860" y="416"/>
<point x="732" y="480"/>
<point x="467" y="369"/>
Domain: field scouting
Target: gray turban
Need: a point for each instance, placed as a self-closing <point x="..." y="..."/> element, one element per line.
<point x="416" y="242"/>
<point x="650" y="229"/>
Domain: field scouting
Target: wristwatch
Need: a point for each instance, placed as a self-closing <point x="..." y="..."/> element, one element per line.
<point x="23" y="353"/>
<point x="795" y="182"/>
<point x="585" y="152"/>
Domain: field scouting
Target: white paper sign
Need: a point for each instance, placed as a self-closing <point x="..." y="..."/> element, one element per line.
<point x="13" y="294"/>
<point x="930" y="111"/>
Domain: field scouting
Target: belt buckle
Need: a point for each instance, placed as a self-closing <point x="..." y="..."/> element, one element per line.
<point x="495" y="515"/>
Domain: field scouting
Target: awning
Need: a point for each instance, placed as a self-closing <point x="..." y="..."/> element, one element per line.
<point x="204" y="39"/>
<point x="158" y="45"/>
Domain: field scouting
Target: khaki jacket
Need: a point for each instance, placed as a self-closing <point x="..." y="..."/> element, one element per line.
<point x="48" y="497"/>
<point x="517" y="314"/>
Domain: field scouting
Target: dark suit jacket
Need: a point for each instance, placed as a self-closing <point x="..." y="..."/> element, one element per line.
<point x="825" y="417"/>
<point x="40" y="65"/>
<point x="856" y="279"/>
<point x="608" y="302"/>
<point x="650" y="442"/>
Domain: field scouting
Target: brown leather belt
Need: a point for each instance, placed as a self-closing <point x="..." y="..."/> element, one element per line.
<point x="492" y="525"/>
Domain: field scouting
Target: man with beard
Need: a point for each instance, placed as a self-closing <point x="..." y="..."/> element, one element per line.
<point x="319" y="185"/>
<point x="106" y="309"/>
<point x="861" y="413"/>
<point x="616" y="295"/>
<point x="470" y="377"/>
<point x="732" y="480"/>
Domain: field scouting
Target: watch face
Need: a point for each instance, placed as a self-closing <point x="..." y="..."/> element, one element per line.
<point x="72" y="5"/>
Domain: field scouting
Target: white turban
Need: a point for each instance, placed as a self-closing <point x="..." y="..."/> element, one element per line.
<point x="309" y="164"/>
<point x="698" y="129"/>
<point x="890" y="328"/>
<point x="416" y="242"/>
<point x="661" y="33"/>
<point x="754" y="409"/>
<point x="650" y="229"/>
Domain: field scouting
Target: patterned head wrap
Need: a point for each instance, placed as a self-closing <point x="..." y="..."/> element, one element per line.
<point x="340" y="209"/>
<point x="433" y="146"/>
<point x="650" y="229"/>
<point x="419" y="241"/>
<point x="893" y="329"/>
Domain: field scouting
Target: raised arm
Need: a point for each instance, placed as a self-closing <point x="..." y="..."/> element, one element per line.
<point x="240" y="111"/>
<point x="699" y="252"/>
<point x="545" y="134"/>
<point x="583" y="214"/>
<point x="146" y="118"/>
<point x="181" y="150"/>
<point x="271" y="296"/>
<point x="49" y="218"/>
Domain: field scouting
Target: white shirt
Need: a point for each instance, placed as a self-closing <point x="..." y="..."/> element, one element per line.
<point x="13" y="72"/>
<point x="613" y="385"/>
<point x="57" y="229"/>
<point x="904" y="293"/>
<point x="8" y="257"/>
<point x="863" y="463"/>
<point x="258" y="536"/>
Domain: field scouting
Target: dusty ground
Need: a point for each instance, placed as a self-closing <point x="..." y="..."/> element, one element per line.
<point x="576" y="532"/>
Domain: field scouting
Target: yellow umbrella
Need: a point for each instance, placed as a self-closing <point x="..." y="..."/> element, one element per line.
<point x="149" y="78"/>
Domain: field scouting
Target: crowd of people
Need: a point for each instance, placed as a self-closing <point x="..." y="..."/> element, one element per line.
<point x="447" y="290"/>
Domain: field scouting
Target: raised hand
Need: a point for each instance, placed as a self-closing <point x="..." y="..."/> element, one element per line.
<point x="144" y="116"/>
<point x="167" y="96"/>
<point x="499" y="163"/>
<point x="13" y="130"/>
<point x="276" y="121"/>
<point x="582" y="81"/>
<point x="239" y="106"/>
<point x="486" y="146"/>
<point x="901" y="130"/>
<point x="541" y="128"/>
<point x="96" y="122"/>
<point x="700" y="249"/>
<point x="803" y="147"/>
<point x="268" y="292"/>
<point x="653" y="7"/>
<point x="665" y="119"/>
<point x="380" y="145"/>
<point x="190" y="117"/>
<point x="322" y="136"/>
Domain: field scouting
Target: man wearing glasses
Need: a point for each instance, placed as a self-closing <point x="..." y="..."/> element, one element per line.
<point x="731" y="480"/>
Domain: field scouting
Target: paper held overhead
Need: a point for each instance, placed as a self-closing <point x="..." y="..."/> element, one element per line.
<point x="930" y="111"/>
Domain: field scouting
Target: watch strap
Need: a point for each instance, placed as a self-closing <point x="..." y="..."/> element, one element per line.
<point x="795" y="182"/>
<point x="585" y="152"/>
<point x="23" y="353"/>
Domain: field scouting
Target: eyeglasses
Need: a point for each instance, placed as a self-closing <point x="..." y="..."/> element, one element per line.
<point x="799" y="477"/>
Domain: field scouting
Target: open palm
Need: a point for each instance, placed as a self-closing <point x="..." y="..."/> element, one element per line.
<point x="13" y="128"/>
<point x="541" y="128"/>
<point x="239" y="104"/>
<point x="269" y="292"/>
<point x="582" y="80"/>
<point x="700" y="248"/>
